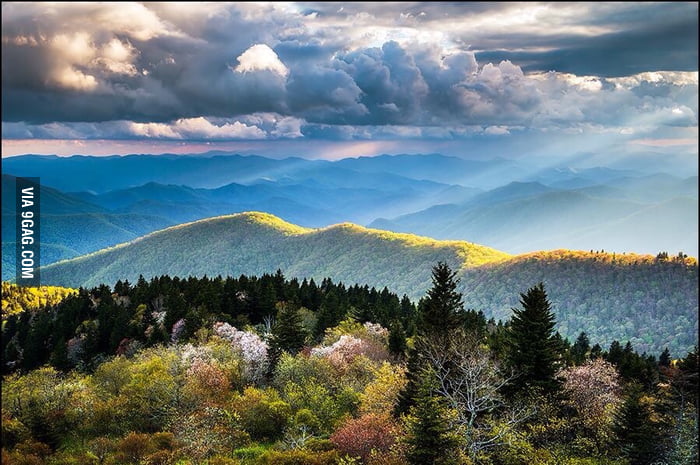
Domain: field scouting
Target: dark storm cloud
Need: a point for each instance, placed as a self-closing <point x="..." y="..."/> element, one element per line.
<point x="171" y="74"/>
<point x="671" y="46"/>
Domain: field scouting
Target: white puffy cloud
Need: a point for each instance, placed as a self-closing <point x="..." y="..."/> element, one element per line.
<point x="260" y="57"/>
<point x="195" y="128"/>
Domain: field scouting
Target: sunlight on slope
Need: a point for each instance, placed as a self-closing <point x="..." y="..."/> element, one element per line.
<point x="16" y="299"/>
<point x="470" y="253"/>
<point x="623" y="259"/>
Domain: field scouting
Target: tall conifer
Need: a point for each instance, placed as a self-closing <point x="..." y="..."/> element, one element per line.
<point x="533" y="350"/>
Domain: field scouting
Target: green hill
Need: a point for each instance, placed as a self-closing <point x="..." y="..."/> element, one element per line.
<point x="651" y="302"/>
<point x="254" y="243"/>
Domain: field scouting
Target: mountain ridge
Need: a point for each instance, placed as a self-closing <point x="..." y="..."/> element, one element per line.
<point x="253" y="227"/>
<point x="643" y="293"/>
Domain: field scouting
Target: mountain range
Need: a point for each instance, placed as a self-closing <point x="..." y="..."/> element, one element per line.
<point x="506" y="204"/>
<point x="652" y="301"/>
<point x="522" y="217"/>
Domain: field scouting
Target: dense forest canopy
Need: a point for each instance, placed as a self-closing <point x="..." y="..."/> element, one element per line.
<point x="270" y="370"/>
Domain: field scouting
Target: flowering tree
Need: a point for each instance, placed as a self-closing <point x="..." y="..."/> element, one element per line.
<point x="177" y="330"/>
<point x="593" y="390"/>
<point x="344" y="351"/>
<point x="251" y="347"/>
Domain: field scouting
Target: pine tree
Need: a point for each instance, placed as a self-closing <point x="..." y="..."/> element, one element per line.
<point x="431" y="438"/>
<point x="596" y="352"/>
<point x="397" y="339"/>
<point x="533" y="350"/>
<point x="288" y="333"/>
<point x="330" y="314"/>
<point x="638" y="437"/>
<point x="439" y="314"/>
<point x="580" y="348"/>
<point x="441" y="310"/>
<point x="408" y="314"/>
<point x="665" y="358"/>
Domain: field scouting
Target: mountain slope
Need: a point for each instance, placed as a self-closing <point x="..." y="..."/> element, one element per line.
<point x="249" y="243"/>
<point x="651" y="302"/>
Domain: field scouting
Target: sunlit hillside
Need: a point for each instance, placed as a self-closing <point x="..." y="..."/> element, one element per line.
<point x="651" y="300"/>
<point x="254" y="243"/>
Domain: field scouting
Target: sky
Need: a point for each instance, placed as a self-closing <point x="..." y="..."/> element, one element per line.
<point x="331" y="80"/>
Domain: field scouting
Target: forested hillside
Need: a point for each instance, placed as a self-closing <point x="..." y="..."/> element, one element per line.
<point x="254" y="243"/>
<point x="17" y="299"/>
<point x="652" y="301"/>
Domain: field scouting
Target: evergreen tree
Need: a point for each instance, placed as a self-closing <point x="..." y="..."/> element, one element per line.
<point x="414" y="366"/>
<point x="580" y="349"/>
<point x="439" y="314"/>
<point x="441" y="310"/>
<point x="288" y="333"/>
<point x="330" y="313"/>
<point x="59" y="356"/>
<point x="397" y="339"/>
<point x="638" y="437"/>
<point x="408" y="314"/>
<point x="665" y="358"/>
<point x="475" y="322"/>
<point x="431" y="437"/>
<point x="615" y="353"/>
<point x="533" y="349"/>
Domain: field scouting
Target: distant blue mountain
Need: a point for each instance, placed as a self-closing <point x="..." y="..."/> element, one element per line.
<point x="71" y="226"/>
<point x="513" y="205"/>
<point x="645" y="215"/>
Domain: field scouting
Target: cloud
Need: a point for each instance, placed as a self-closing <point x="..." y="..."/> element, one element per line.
<point x="197" y="129"/>
<point x="667" y="42"/>
<point x="260" y="57"/>
<point x="248" y="127"/>
<point x="496" y="131"/>
<point x="404" y="70"/>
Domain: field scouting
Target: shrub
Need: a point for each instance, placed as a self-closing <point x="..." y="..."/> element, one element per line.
<point x="262" y="413"/>
<point x="358" y="437"/>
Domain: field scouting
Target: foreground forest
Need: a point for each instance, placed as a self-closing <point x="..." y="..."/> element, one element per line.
<point x="269" y="370"/>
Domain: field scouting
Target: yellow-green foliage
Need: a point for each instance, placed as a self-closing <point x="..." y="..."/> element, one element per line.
<point x="16" y="299"/>
<point x="254" y="243"/>
<point x="599" y="257"/>
<point x="472" y="254"/>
